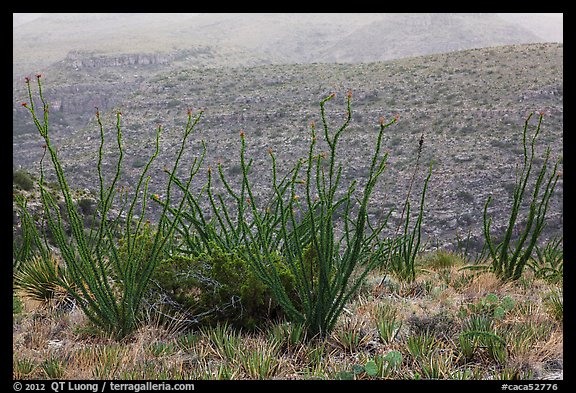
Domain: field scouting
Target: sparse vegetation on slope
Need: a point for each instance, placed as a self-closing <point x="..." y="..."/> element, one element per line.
<point x="468" y="105"/>
<point x="454" y="323"/>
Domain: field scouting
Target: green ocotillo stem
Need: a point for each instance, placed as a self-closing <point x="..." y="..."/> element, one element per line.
<point x="508" y="261"/>
<point x="111" y="304"/>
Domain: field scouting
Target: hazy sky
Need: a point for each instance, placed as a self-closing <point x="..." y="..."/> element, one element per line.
<point x="549" y="26"/>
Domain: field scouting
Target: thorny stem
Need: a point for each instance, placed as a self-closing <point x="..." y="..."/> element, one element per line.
<point x="406" y="202"/>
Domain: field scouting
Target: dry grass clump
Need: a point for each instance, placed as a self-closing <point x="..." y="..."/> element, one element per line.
<point x="395" y="330"/>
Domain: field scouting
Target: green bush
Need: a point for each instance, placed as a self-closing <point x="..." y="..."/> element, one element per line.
<point x="16" y="305"/>
<point x="87" y="206"/>
<point x="289" y="222"/>
<point x="548" y="263"/>
<point x="220" y="286"/>
<point x="23" y="180"/>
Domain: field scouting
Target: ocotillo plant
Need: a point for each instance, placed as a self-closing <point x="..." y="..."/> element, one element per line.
<point x="298" y="226"/>
<point x="323" y="266"/>
<point x="509" y="257"/>
<point x="29" y="243"/>
<point x="108" y="284"/>
<point x="406" y="246"/>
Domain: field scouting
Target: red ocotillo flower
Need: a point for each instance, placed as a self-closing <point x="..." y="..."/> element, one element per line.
<point x="241" y="134"/>
<point x="38" y="76"/>
<point x="382" y="120"/>
<point x="24" y="104"/>
<point x="349" y="94"/>
<point x="26" y="79"/>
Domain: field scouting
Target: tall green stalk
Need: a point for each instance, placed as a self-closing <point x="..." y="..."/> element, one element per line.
<point x="30" y="242"/>
<point x="510" y="257"/>
<point x="406" y="246"/>
<point x="108" y="284"/>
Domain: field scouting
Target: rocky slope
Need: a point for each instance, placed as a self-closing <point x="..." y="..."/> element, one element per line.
<point x="469" y="105"/>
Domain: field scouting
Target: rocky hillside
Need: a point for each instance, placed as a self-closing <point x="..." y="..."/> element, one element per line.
<point x="469" y="105"/>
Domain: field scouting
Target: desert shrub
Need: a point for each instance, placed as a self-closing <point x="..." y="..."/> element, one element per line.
<point x="289" y="222"/>
<point x="87" y="206"/>
<point x="548" y="263"/>
<point x="443" y="259"/>
<point x="23" y="180"/>
<point x="220" y="287"/>
<point x="554" y="302"/>
<point x="406" y="245"/>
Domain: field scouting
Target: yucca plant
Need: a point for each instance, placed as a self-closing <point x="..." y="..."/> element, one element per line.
<point x="420" y="346"/>
<point x="23" y="368"/>
<point x="437" y="365"/>
<point x="224" y="340"/>
<point x="53" y="367"/>
<point x="107" y="286"/>
<point x="510" y="257"/>
<point x="480" y="332"/>
<point x="349" y="336"/>
<point x="288" y="335"/>
<point x="108" y="361"/>
<point x="388" y="364"/>
<point x="554" y="302"/>
<point x="261" y="362"/>
<point x="387" y="322"/>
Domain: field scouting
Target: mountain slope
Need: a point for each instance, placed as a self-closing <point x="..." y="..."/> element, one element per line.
<point x="469" y="105"/>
